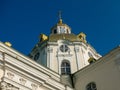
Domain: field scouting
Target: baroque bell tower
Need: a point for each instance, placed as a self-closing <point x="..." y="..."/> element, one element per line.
<point x="63" y="51"/>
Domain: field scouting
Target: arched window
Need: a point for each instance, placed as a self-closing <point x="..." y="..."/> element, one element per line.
<point x="36" y="57"/>
<point x="67" y="31"/>
<point x="55" y="31"/>
<point x="65" y="68"/>
<point x="91" y="86"/>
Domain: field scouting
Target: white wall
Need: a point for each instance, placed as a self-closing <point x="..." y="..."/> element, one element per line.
<point x="105" y="73"/>
<point x="78" y="55"/>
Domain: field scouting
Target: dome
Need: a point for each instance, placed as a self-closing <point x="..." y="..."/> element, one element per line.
<point x="60" y="28"/>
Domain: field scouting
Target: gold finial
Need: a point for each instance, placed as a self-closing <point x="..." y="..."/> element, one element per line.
<point x="43" y="37"/>
<point x="60" y="17"/>
<point x="8" y="44"/>
<point x="82" y="37"/>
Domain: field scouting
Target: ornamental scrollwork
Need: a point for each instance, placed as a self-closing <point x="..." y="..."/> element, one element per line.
<point x="76" y="49"/>
<point x="7" y="86"/>
<point x="22" y="81"/>
<point x="10" y="75"/>
<point x="34" y="86"/>
<point x="50" y="50"/>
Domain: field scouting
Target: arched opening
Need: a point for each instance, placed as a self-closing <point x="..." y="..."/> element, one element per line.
<point x="55" y="31"/>
<point x="36" y="57"/>
<point x="65" y="68"/>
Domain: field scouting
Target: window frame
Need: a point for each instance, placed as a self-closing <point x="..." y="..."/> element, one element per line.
<point x="37" y="55"/>
<point x="64" y="48"/>
<point x="91" y="86"/>
<point x="65" y="68"/>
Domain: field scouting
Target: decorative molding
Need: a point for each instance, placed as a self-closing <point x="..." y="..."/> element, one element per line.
<point x="10" y="75"/>
<point x="50" y="50"/>
<point x="64" y="55"/>
<point x="34" y="86"/>
<point x="76" y="49"/>
<point x="7" y="86"/>
<point x="82" y="51"/>
<point x="40" y="85"/>
<point x="22" y="81"/>
<point x="3" y="85"/>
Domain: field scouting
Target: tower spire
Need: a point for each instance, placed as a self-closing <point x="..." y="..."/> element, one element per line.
<point x="60" y="17"/>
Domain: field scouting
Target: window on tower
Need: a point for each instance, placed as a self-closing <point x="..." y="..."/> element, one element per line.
<point x="65" y="68"/>
<point x="91" y="86"/>
<point x="55" y="31"/>
<point x="64" y="48"/>
<point x="67" y="31"/>
<point x="36" y="57"/>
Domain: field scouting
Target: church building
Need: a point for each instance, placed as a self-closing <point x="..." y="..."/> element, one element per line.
<point x="60" y="61"/>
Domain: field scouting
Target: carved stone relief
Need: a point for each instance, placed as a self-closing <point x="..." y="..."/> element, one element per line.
<point x="22" y="81"/>
<point x="50" y="50"/>
<point x="7" y="86"/>
<point x="82" y="51"/>
<point x="76" y="49"/>
<point x="10" y="75"/>
<point x="34" y="86"/>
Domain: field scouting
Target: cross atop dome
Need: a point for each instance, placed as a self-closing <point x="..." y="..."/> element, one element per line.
<point x="60" y="27"/>
<point x="60" y="17"/>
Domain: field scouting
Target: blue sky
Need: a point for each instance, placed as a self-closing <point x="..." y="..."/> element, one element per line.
<point x="22" y="21"/>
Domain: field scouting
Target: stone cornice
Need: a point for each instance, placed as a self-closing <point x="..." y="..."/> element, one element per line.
<point x="23" y="66"/>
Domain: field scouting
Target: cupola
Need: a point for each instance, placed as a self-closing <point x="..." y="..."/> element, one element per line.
<point x="61" y="28"/>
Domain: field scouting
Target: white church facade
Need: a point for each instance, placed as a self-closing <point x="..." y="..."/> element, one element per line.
<point x="60" y="61"/>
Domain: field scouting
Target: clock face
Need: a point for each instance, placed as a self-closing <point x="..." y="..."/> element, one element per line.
<point x="64" y="48"/>
<point x="36" y="56"/>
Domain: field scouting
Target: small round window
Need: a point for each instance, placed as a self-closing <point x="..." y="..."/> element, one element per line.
<point x="91" y="86"/>
<point x="64" y="48"/>
<point x="36" y="56"/>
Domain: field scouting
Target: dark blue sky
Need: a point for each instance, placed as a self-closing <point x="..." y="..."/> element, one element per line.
<point x="22" y="21"/>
